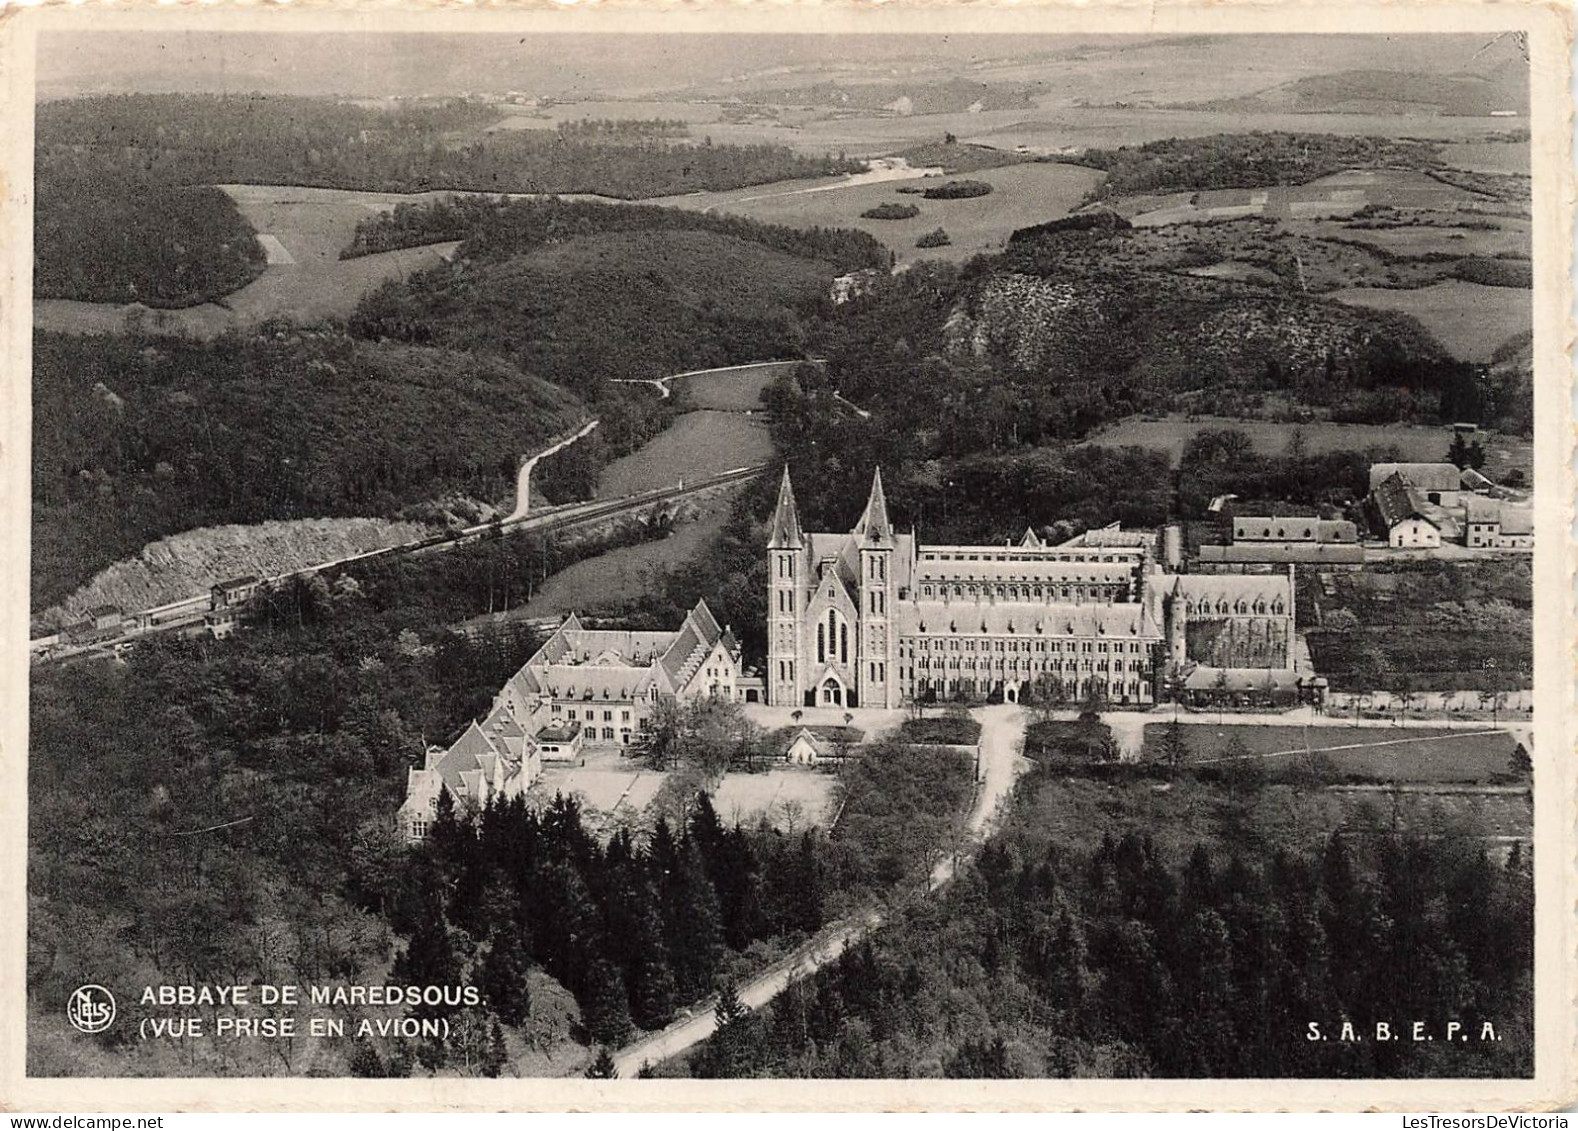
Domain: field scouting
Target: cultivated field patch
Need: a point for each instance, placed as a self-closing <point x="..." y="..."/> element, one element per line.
<point x="1488" y="156"/>
<point x="305" y="281"/>
<point x="1415" y="443"/>
<point x="625" y="573"/>
<point x="1405" y="754"/>
<point x="731" y="390"/>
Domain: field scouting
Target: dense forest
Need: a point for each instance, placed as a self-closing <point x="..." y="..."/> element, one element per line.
<point x="1056" y="955"/>
<point x="1247" y="160"/>
<point x="132" y="239"/>
<point x="619" y="304"/>
<point x="493" y="228"/>
<point x="189" y="139"/>
<point x="135" y="438"/>
<point x="289" y="744"/>
<point x="287" y="747"/>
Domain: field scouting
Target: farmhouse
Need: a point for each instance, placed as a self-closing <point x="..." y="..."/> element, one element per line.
<point x="99" y="622"/>
<point x="1495" y="525"/>
<point x="1400" y="514"/>
<point x="874" y="617"/>
<point x="236" y="591"/>
<point x="1437" y="483"/>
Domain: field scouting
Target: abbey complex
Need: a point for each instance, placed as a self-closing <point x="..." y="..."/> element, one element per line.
<point x="873" y="618"/>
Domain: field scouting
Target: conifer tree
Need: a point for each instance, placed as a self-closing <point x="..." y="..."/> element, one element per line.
<point x="503" y="978"/>
<point x="429" y="957"/>
<point x="694" y="929"/>
<point x="1175" y="747"/>
<point x="605" y="1008"/>
<point x="602" y="1068"/>
<point x="651" y="979"/>
<point x="494" y="1056"/>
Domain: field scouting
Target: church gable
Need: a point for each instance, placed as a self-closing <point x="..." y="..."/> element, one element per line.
<point x="831" y="593"/>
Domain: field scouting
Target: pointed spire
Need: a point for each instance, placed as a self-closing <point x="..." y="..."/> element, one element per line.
<point x="785" y="533"/>
<point x="873" y="522"/>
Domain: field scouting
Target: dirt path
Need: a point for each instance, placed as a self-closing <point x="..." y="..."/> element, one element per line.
<point x="1002" y="737"/>
<point x="523" y="477"/>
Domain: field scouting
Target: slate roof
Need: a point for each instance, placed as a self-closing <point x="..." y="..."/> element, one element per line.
<point x="1481" y="510"/>
<point x="939" y="618"/>
<point x="785" y="533"/>
<point x="1423" y="476"/>
<point x="874" y="525"/>
<point x="1206" y="591"/>
<point x="1397" y="500"/>
<point x="1242" y="679"/>
<point x="1517" y="520"/>
<point x="1280" y="553"/>
<point x="1293" y="529"/>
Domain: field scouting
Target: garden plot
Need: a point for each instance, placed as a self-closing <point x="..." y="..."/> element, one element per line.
<point x="788" y="799"/>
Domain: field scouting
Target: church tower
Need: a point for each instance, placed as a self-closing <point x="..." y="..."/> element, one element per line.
<point x="877" y="676"/>
<point x="785" y="601"/>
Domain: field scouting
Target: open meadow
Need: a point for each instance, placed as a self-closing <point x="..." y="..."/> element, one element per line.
<point x="791" y="797"/>
<point x="626" y="572"/>
<point x="1022" y="195"/>
<point x="696" y="445"/>
<point x="1469" y="319"/>
<point x="731" y="389"/>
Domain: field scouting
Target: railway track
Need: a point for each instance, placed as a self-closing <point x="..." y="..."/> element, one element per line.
<point x="187" y="614"/>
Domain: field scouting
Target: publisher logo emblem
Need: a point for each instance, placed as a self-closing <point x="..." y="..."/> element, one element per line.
<point x="91" y="1009"/>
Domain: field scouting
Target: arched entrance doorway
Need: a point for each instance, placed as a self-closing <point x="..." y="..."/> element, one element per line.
<point x="832" y="693"/>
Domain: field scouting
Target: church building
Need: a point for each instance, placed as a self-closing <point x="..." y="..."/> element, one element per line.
<point x="873" y="618"/>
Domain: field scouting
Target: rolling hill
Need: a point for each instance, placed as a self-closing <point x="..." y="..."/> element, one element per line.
<point x="138" y="438"/>
<point x="625" y="304"/>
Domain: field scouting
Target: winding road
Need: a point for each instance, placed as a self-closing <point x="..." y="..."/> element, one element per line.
<point x="1002" y="739"/>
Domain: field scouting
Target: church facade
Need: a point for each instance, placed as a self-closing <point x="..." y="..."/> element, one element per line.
<point x="874" y="618"/>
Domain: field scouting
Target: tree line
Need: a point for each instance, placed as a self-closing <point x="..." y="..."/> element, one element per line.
<point x="204" y="139"/>
<point x="634" y="931"/>
<point x="497" y="228"/>
<point x="1257" y="159"/>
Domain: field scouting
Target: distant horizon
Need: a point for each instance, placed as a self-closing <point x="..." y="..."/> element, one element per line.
<point x="578" y="65"/>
